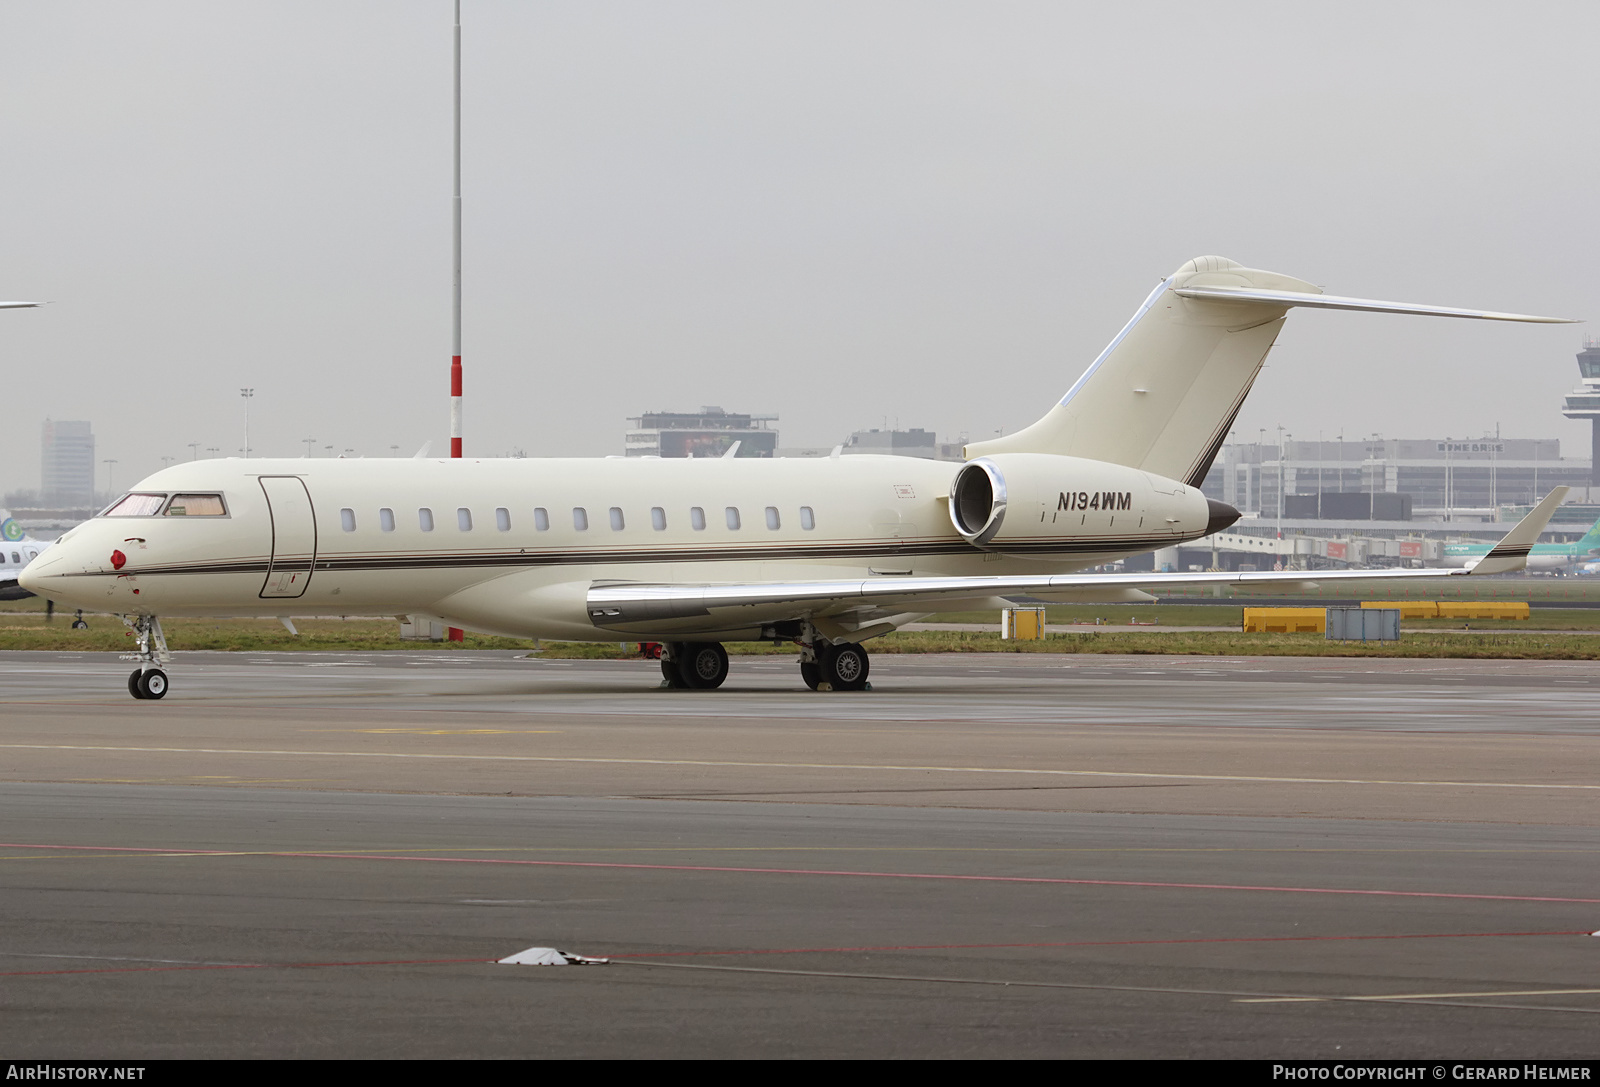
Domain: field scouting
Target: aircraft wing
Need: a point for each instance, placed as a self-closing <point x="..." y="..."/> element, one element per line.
<point x="628" y="605"/>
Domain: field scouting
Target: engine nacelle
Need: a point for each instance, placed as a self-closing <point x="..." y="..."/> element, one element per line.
<point x="1046" y="505"/>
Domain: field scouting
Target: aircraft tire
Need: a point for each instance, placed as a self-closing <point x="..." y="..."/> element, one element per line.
<point x="703" y="665"/>
<point x="153" y="684"/>
<point x="133" y="683"/>
<point x="810" y="673"/>
<point x="845" y="667"/>
<point x="669" y="670"/>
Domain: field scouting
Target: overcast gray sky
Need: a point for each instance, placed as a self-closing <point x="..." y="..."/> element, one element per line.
<point x="932" y="212"/>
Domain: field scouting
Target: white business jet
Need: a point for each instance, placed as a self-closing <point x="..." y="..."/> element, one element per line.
<point x="823" y="553"/>
<point x="17" y="549"/>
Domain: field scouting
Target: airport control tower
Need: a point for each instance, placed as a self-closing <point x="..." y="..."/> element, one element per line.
<point x="1584" y="401"/>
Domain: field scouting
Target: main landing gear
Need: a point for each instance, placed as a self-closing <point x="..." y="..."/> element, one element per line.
<point x="148" y="680"/>
<point x="834" y="666"/>
<point x="700" y="666"/>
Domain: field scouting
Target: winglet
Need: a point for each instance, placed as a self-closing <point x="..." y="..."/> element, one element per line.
<point x="1511" y="553"/>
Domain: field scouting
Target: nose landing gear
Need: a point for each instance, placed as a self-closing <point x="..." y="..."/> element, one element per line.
<point x="148" y="680"/>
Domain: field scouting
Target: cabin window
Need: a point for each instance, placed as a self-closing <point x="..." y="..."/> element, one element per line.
<point x="732" y="514"/>
<point x="32" y="554"/>
<point x="136" y="505"/>
<point x="347" y="519"/>
<point x="772" y="518"/>
<point x="196" y="505"/>
<point x="807" y="521"/>
<point x="658" y="518"/>
<point x="16" y="558"/>
<point x="541" y="519"/>
<point x="616" y="519"/>
<point x="425" y="519"/>
<point x="697" y="518"/>
<point x="386" y="519"/>
<point x="464" y="519"/>
<point x="580" y="518"/>
<point x="502" y="519"/>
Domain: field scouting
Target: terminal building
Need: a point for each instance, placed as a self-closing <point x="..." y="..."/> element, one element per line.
<point x="1437" y="480"/>
<point x="915" y="442"/>
<point x="710" y="432"/>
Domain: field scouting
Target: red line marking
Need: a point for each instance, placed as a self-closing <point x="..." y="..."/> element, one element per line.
<point x="1085" y="943"/>
<point x="230" y="966"/>
<point x="813" y="872"/>
<point x="769" y="951"/>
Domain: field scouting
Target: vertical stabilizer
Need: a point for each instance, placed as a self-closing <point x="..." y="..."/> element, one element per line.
<point x="1162" y="396"/>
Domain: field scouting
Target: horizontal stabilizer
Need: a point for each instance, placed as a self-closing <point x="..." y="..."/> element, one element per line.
<point x="1369" y="305"/>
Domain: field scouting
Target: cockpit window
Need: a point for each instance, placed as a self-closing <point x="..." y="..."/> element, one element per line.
<point x="136" y="505"/>
<point x="196" y="505"/>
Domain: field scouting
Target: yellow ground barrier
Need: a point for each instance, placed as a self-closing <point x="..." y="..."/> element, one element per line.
<point x="1285" y="620"/>
<point x="1408" y="609"/>
<point x="1482" y="609"/>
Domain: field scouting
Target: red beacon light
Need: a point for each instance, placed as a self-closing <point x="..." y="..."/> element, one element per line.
<point x="118" y="560"/>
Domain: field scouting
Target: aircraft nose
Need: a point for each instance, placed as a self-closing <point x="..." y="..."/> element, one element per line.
<point x="1222" y="515"/>
<point x="29" y="577"/>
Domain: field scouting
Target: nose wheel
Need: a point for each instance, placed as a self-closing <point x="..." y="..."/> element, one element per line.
<point x="148" y="683"/>
<point x="148" y="680"/>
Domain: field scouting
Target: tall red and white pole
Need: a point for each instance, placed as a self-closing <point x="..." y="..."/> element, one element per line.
<point x="455" y="288"/>
<point x="456" y="634"/>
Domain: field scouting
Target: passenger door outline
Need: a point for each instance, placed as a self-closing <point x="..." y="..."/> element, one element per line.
<point x="293" y="523"/>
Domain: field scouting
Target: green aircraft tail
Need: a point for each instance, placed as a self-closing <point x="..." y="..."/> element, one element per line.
<point x="1591" y="539"/>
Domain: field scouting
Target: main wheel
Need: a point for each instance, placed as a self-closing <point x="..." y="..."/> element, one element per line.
<point x="703" y="665"/>
<point x="153" y="683"/>
<point x="845" y="667"/>
<point x="669" y="672"/>
<point x="810" y="673"/>
<point x="133" y="684"/>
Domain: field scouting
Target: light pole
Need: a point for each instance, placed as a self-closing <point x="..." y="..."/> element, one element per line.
<point x="213" y="450"/>
<point x="247" y="394"/>
<point x="109" y="485"/>
<point x="1280" y="481"/>
<point x="194" y="450"/>
<point x="309" y="443"/>
<point x="1448" y="503"/>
